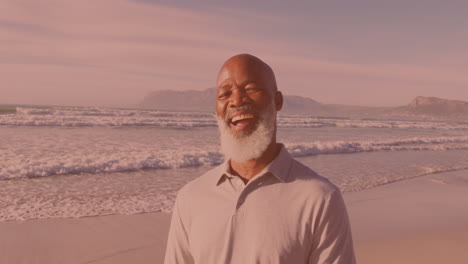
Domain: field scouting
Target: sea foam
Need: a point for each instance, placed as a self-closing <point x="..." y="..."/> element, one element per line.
<point x="79" y="162"/>
<point x="110" y="117"/>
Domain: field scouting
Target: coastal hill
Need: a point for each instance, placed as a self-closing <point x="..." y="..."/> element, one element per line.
<point x="432" y="108"/>
<point x="422" y="108"/>
<point x="189" y="100"/>
<point x="203" y="101"/>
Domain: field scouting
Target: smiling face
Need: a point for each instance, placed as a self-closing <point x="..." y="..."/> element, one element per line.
<point x="246" y="105"/>
<point x="245" y="87"/>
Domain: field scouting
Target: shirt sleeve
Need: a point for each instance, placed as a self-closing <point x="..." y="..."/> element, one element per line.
<point x="177" y="250"/>
<point x="331" y="239"/>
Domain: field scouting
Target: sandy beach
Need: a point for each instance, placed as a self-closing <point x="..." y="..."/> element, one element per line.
<point x="109" y="108"/>
<point x="422" y="220"/>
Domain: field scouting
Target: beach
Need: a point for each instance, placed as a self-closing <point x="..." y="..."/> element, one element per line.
<point x="97" y="185"/>
<point x="420" y="220"/>
<point x="109" y="108"/>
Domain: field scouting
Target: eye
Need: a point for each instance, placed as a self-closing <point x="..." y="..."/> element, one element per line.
<point x="251" y="89"/>
<point x="224" y="95"/>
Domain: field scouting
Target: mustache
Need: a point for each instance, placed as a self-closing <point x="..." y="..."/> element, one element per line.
<point x="231" y="111"/>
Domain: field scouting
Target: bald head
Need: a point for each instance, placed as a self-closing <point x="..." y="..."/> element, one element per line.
<point x="251" y="65"/>
<point x="246" y="80"/>
<point x="246" y="104"/>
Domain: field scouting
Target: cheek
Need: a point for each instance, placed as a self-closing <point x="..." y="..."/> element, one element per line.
<point x="262" y="101"/>
<point x="220" y="108"/>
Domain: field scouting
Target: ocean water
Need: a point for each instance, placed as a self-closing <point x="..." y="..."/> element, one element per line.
<point x="87" y="161"/>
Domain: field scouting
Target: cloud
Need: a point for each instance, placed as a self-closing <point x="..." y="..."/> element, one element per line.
<point x="134" y="47"/>
<point x="27" y="28"/>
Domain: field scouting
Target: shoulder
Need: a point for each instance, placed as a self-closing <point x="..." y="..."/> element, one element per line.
<point x="310" y="182"/>
<point x="317" y="195"/>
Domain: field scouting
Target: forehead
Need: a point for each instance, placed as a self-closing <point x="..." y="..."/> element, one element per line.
<point x="241" y="72"/>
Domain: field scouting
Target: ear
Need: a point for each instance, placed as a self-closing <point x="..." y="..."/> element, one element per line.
<point x="278" y="100"/>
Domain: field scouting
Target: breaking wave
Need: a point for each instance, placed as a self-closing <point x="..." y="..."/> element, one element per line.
<point x="141" y="160"/>
<point x="109" y="117"/>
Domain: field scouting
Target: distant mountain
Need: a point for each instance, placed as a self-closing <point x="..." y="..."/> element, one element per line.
<point x="190" y="100"/>
<point x="424" y="108"/>
<point x="298" y="105"/>
<point x="432" y="108"/>
<point x="203" y="101"/>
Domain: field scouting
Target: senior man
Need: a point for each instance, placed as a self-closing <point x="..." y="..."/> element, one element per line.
<point x="260" y="205"/>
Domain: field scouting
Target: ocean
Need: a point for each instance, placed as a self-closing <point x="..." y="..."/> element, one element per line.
<point x="60" y="161"/>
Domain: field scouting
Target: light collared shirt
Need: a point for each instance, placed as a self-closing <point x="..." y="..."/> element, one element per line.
<point x="285" y="214"/>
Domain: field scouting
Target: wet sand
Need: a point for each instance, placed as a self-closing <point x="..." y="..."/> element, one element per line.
<point x="422" y="220"/>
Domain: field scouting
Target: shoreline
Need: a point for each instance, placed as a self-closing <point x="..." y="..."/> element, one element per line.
<point x="420" y="220"/>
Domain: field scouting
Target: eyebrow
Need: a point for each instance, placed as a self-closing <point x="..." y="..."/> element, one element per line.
<point x="228" y="85"/>
<point x="245" y="83"/>
<point x="225" y="86"/>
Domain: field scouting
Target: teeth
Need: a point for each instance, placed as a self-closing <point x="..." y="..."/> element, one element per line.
<point x="241" y="117"/>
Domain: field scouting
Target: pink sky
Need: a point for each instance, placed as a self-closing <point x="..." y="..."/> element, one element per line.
<point x="105" y="52"/>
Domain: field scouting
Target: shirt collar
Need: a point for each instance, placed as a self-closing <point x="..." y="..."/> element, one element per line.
<point x="278" y="167"/>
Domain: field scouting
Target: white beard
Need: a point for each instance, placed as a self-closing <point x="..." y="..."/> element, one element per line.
<point x="242" y="148"/>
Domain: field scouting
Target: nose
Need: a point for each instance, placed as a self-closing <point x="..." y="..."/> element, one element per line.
<point x="238" y="98"/>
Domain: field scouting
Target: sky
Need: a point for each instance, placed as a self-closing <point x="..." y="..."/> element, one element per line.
<point x="114" y="52"/>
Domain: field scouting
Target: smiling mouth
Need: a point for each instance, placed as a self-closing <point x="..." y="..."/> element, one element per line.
<point x="242" y="122"/>
<point x="241" y="117"/>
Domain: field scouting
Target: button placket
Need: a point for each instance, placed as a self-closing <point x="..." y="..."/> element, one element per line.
<point x="242" y="196"/>
<point x="244" y="191"/>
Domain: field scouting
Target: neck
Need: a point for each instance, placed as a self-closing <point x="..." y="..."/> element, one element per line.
<point x="247" y="170"/>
